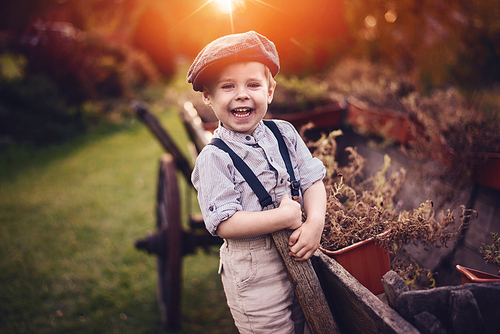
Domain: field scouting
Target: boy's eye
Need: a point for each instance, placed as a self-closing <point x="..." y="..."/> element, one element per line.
<point x="227" y="86"/>
<point x="254" y="85"/>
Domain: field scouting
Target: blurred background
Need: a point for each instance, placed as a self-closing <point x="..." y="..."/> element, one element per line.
<point x="81" y="51"/>
<point x="78" y="174"/>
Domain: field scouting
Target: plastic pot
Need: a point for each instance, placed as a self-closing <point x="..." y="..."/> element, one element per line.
<point x="475" y="276"/>
<point x="366" y="260"/>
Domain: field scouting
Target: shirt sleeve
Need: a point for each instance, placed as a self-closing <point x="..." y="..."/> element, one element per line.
<point x="310" y="169"/>
<point x="213" y="177"/>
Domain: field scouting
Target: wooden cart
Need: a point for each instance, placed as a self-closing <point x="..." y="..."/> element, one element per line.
<point x="171" y="242"/>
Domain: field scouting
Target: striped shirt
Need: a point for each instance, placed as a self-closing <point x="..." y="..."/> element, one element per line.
<point x="222" y="190"/>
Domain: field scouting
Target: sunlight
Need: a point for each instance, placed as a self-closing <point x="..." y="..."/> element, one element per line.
<point x="228" y="7"/>
<point x="225" y="6"/>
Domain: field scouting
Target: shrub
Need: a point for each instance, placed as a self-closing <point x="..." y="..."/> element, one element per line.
<point x="33" y="111"/>
<point x="361" y="206"/>
<point x="60" y="81"/>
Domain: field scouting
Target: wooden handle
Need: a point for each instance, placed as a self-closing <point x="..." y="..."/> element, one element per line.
<point x="307" y="288"/>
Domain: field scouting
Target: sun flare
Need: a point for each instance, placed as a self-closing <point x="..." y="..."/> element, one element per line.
<point x="225" y="6"/>
<point x="228" y="7"/>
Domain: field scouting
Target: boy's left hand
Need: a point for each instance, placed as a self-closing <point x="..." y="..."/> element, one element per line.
<point x="304" y="241"/>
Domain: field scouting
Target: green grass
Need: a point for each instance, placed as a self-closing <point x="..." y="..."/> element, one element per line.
<point x="69" y="215"/>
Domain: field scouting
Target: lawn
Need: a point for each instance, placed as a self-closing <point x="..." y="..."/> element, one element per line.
<point x="69" y="216"/>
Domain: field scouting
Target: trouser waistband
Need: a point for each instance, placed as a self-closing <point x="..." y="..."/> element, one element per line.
<point x="264" y="241"/>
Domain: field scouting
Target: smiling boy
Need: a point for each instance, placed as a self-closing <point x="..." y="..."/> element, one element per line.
<point x="235" y="75"/>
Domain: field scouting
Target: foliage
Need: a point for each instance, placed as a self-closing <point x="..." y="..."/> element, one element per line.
<point x="453" y="126"/>
<point x="376" y="84"/>
<point x="455" y="133"/>
<point x="84" y="66"/>
<point x="492" y="252"/>
<point x="60" y="82"/>
<point x="362" y="206"/>
<point x="294" y="94"/>
<point x="33" y="111"/>
<point x="451" y="130"/>
<point x="437" y="42"/>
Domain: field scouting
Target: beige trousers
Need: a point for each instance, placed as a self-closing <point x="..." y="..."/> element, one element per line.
<point x="258" y="291"/>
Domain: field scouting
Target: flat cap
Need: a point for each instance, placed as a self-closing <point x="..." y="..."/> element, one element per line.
<point x="248" y="46"/>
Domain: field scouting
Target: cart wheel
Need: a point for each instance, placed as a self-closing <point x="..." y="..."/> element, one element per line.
<point x="169" y="226"/>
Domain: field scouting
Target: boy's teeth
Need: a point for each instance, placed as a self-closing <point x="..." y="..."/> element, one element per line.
<point x="241" y="112"/>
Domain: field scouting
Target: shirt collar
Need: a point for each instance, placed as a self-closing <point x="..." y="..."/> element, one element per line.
<point x="229" y="135"/>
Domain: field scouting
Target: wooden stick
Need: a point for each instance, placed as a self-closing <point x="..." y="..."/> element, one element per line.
<point x="307" y="288"/>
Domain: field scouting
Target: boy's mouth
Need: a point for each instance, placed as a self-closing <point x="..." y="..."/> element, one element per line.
<point x="241" y="112"/>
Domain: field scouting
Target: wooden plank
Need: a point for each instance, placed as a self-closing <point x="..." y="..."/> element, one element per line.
<point x="307" y="288"/>
<point x="194" y="128"/>
<point x="154" y="125"/>
<point x="355" y="307"/>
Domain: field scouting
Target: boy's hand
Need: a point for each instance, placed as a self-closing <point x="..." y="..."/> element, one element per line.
<point x="304" y="241"/>
<point x="292" y="210"/>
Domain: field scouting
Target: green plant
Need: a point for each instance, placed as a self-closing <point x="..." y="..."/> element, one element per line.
<point x="378" y="85"/>
<point x="294" y="94"/>
<point x="492" y="252"/>
<point x="362" y="206"/>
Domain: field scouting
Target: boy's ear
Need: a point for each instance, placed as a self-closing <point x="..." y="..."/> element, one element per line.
<point x="270" y="93"/>
<point x="205" y="95"/>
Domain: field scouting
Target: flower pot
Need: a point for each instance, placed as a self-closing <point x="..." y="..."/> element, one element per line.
<point x="385" y="123"/>
<point x="488" y="172"/>
<point x="366" y="260"/>
<point x="475" y="276"/>
<point x="327" y="116"/>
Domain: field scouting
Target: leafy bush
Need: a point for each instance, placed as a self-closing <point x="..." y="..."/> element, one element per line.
<point x="34" y="111"/>
<point x="376" y="84"/>
<point x="296" y="94"/>
<point x="85" y="66"/>
<point x="60" y="81"/>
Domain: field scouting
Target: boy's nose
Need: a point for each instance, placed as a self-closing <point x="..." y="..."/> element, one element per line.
<point x="242" y="95"/>
<point x="242" y="98"/>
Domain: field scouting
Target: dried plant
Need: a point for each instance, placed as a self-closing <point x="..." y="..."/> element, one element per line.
<point x="362" y="206"/>
<point x="378" y="85"/>
<point x="454" y="138"/>
<point x="492" y="252"/>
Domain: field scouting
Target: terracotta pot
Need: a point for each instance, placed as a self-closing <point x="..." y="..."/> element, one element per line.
<point x="384" y="123"/>
<point x="488" y="172"/>
<point x="366" y="260"/>
<point x="475" y="276"/>
<point x="327" y="116"/>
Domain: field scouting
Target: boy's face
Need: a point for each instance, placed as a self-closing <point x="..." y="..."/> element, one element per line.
<point x="239" y="96"/>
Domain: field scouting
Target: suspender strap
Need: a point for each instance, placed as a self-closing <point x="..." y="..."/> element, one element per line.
<point x="249" y="176"/>
<point x="295" y="185"/>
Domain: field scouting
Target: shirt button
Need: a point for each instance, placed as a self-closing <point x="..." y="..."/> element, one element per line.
<point x="248" y="137"/>
<point x="211" y="208"/>
<point x="281" y="181"/>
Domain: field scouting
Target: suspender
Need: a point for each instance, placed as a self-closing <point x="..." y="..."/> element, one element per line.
<point x="249" y="176"/>
<point x="295" y="185"/>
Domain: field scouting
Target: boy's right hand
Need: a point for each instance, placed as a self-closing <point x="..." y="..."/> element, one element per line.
<point x="292" y="210"/>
